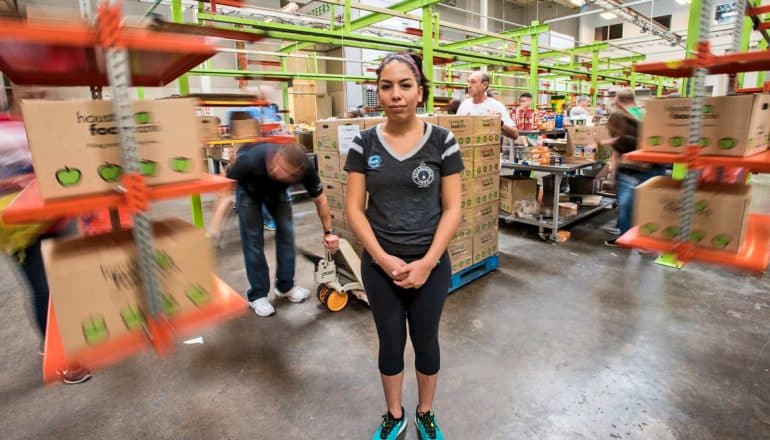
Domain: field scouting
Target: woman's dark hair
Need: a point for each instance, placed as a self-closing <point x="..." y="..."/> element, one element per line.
<point x="414" y="62"/>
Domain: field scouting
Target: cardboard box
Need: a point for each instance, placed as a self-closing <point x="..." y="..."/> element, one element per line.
<point x="466" y="193"/>
<point x="461" y="254"/>
<point x="513" y="190"/>
<point x="75" y="145"/>
<point x="484" y="245"/>
<point x="209" y="127"/>
<point x="245" y="128"/>
<point x="372" y="122"/>
<point x="336" y="135"/>
<point x="429" y="118"/>
<point x="581" y="143"/>
<point x="329" y="168"/>
<point x="488" y="124"/>
<point x="486" y="189"/>
<point x="486" y="160"/>
<point x="466" y="219"/>
<point x="460" y="126"/>
<point x="486" y="217"/>
<point x="95" y="287"/>
<point x="467" y="154"/>
<point x="732" y="125"/>
<point x="335" y="194"/>
<point x="462" y="234"/>
<point x="567" y="209"/>
<point x="486" y="214"/>
<point x="721" y="212"/>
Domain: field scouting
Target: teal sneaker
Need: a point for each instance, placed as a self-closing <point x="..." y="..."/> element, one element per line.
<point x="427" y="428"/>
<point x="390" y="428"/>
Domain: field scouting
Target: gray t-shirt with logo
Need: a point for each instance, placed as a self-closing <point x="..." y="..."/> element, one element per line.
<point x="405" y="190"/>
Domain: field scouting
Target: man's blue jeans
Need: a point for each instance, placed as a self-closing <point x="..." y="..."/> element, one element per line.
<point x="625" y="183"/>
<point x="253" y="241"/>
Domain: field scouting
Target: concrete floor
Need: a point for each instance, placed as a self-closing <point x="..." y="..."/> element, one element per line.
<point x="570" y="341"/>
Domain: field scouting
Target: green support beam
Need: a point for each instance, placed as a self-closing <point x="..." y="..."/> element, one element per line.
<point x="748" y="28"/>
<point x="368" y="20"/>
<point x="534" y="59"/>
<point x="761" y="75"/>
<point x="535" y="29"/>
<point x="594" y="77"/>
<point x="693" y="32"/>
<point x="428" y="41"/>
<point x="633" y="77"/>
<point x="177" y="16"/>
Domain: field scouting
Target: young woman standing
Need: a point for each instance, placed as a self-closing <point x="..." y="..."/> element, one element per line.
<point x="411" y="172"/>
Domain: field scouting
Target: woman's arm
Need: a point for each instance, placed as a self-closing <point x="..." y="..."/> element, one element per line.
<point x="418" y="271"/>
<point x="359" y="224"/>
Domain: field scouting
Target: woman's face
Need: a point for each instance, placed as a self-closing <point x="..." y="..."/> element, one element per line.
<point x="398" y="91"/>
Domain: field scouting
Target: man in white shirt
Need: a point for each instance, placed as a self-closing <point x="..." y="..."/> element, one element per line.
<point x="582" y="109"/>
<point x="479" y="104"/>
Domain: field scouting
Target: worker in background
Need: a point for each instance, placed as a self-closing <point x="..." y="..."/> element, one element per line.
<point x="479" y="104"/>
<point x="492" y="93"/>
<point x="264" y="173"/>
<point x="409" y="171"/>
<point x="23" y="242"/>
<point x="525" y="101"/>
<point x="601" y="110"/>
<point x="623" y="126"/>
<point x="582" y="109"/>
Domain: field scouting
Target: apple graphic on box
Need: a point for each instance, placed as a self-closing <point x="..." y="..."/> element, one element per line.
<point x="701" y="205"/>
<point x="180" y="164"/>
<point x="170" y="306"/>
<point x="132" y="317"/>
<point x="655" y="140"/>
<point x="95" y="330"/>
<point x="704" y="142"/>
<point x="198" y="295"/>
<point x="110" y="172"/>
<point x="649" y="229"/>
<point x="142" y="118"/>
<point x="721" y="241"/>
<point x="68" y="176"/>
<point x="697" y="236"/>
<point x="163" y="260"/>
<point x="677" y="141"/>
<point x="148" y="167"/>
<point x="671" y="232"/>
<point x="727" y="143"/>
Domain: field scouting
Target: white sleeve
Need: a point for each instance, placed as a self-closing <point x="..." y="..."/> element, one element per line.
<point x="505" y="115"/>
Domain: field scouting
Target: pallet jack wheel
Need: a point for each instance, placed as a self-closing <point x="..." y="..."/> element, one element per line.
<point x="323" y="293"/>
<point x="337" y="301"/>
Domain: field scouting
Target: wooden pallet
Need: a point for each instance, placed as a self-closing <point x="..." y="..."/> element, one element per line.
<point x="474" y="272"/>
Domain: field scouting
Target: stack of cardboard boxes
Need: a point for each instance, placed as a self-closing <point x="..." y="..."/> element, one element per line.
<point x="479" y="139"/>
<point x="732" y="126"/>
<point x="94" y="281"/>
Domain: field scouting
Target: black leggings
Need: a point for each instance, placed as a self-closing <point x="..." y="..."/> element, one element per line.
<point x="392" y="306"/>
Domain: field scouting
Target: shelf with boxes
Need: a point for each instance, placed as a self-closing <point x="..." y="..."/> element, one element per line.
<point x="479" y="137"/>
<point x="700" y="220"/>
<point x="103" y="154"/>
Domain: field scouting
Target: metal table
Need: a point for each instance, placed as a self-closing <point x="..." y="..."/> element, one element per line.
<point x="558" y="171"/>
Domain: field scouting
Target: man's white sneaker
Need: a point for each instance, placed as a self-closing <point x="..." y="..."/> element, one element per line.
<point x="262" y="307"/>
<point x="296" y="294"/>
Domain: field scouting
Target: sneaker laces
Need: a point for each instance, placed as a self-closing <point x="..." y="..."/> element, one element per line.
<point x="428" y="421"/>
<point x="388" y="423"/>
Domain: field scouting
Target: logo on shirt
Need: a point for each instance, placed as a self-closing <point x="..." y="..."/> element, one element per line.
<point x="375" y="161"/>
<point x="423" y="176"/>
